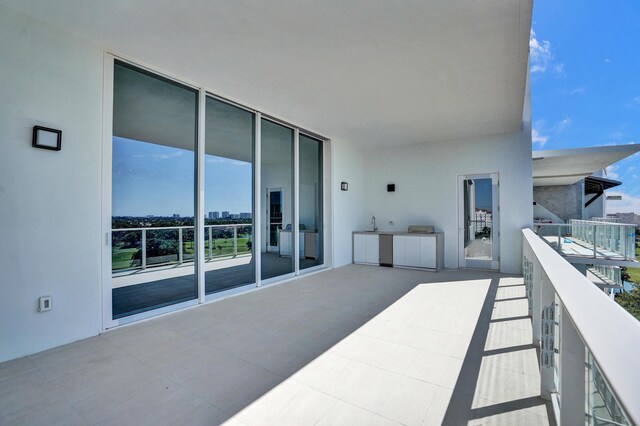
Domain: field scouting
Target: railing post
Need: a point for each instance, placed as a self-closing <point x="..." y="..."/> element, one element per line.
<point x="547" y="297"/>
<point x="143" y="242"/>
<point x="594" y="241"/>
<point x="180" y="249"/>
<point x="235" y="240"/>
<point x="571" y="372"/>
<point x="210" y="242"/>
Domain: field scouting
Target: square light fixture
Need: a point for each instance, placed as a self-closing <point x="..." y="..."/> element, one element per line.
<point x="46" y="138"/>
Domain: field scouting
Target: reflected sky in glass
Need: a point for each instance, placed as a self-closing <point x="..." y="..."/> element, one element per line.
<point x="147" y="175"/>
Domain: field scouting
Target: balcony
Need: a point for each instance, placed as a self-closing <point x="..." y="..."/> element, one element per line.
<point x="354" y="345"/>
<point x="583" y="240"/>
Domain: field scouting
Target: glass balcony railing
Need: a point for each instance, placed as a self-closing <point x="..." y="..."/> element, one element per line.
<point x="587" y="238"/>
<point x="144" y="248"/>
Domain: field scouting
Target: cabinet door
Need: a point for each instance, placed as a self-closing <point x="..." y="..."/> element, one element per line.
<point x="412" y="251"/>
<point x="359" y="248"/>
<point x="428" y="252"/>
<point x="398" y="250"/>
<point x="373" y="249"/>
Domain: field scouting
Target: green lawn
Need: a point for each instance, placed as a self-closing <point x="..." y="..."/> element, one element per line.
<point x="635" y="272"/>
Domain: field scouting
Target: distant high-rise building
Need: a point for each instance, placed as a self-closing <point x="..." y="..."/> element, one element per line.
<point x="176" y="215"/>
<point x="216" y="215"/>
<point x="245" y="215"/>
<point x="211" y="215"/>
<point x="225" y="215"/>
<point x="627" y="217"/>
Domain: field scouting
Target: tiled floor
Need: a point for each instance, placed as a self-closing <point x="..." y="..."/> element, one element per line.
<point x="356" y="345"/>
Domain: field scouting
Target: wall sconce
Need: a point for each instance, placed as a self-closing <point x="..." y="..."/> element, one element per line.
<point x="344" y="186"/>
<point x="391" y="187"/>
<point x="46" y="138"/>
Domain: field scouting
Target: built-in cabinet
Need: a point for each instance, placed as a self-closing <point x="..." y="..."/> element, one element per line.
<point x="409" y="250"/>
<point x="414" y="251"/>
<point x="366" y="248"/>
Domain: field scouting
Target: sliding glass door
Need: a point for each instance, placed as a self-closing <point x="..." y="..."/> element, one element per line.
<point x="228" y="198"/>
<point x="310" y="205"/>
<point x="190" y="216"/>
<point x="153" y="191"/>
<point x="277" y="191"/>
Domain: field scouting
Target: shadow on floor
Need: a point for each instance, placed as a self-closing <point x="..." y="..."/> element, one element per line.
<point x="467" y="406"/>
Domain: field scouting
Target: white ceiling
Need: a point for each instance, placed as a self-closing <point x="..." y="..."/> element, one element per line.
<point x="375" y="72"/>
<point x="568" y="166"/>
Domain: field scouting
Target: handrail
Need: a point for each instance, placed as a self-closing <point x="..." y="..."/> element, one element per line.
<point x="180" y="250"/>
<point x="596" y="222"/>
<point x="159" y="228"/>
<point x="593" y="314"/>
<point x="616" y="238"/>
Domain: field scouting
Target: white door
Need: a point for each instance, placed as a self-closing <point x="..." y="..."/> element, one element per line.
<point x="478" y="221"/>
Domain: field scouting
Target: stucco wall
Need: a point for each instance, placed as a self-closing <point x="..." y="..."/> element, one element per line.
<point x="49" y="201"/>
<point x="427" y="194"/>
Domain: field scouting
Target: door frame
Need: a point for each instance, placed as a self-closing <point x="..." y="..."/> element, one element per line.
<point x="104" y="238"/>
<point x="494" y="262"/>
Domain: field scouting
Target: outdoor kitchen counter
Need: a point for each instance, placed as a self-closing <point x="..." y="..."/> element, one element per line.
<point x="408" y="250"/>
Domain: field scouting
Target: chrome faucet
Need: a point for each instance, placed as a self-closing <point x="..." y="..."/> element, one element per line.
<point x="373" y="220"/>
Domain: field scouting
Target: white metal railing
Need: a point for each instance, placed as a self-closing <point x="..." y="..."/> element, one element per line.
<point x="594" y="337"/>
<point x="606" y="219"/>
<point x="594" y="239"/>
<point x="180" y="256"/>
<point x="612" y="273"/>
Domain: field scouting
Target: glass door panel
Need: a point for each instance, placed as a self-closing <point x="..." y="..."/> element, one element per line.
<point x="478" y="221"/>
<point x="310" y="205"/>
<point x="153" y="191"/>
<point x="277" y="192"/>
<point x="228" y="185"/>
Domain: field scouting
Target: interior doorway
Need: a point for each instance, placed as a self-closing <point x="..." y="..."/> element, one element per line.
<point x="478" y="218"/>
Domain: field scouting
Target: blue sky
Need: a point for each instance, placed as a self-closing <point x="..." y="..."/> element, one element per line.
<point x="150" y="179"/>
<point x="585" y="82"/>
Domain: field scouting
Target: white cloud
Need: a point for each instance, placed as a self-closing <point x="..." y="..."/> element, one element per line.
<point x="166" y="156"/>
<point x="563" y="124"/>
<point x="577" y="91"/>
<point x="538" y="138"/>
<point x="541" y="56"/>
<point x="540" y="53"/>
<point x="611" y="172"/>
<point x="607" y="60"/>
<point x="629" y="203"/>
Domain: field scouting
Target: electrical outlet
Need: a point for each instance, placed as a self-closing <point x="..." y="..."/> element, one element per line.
<point x="45" y="303"/>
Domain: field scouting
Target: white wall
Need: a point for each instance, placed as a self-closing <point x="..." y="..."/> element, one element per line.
<point x="347" y="163"/>
<point x="426" y="188"/>
<point x="49" y="201"/>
